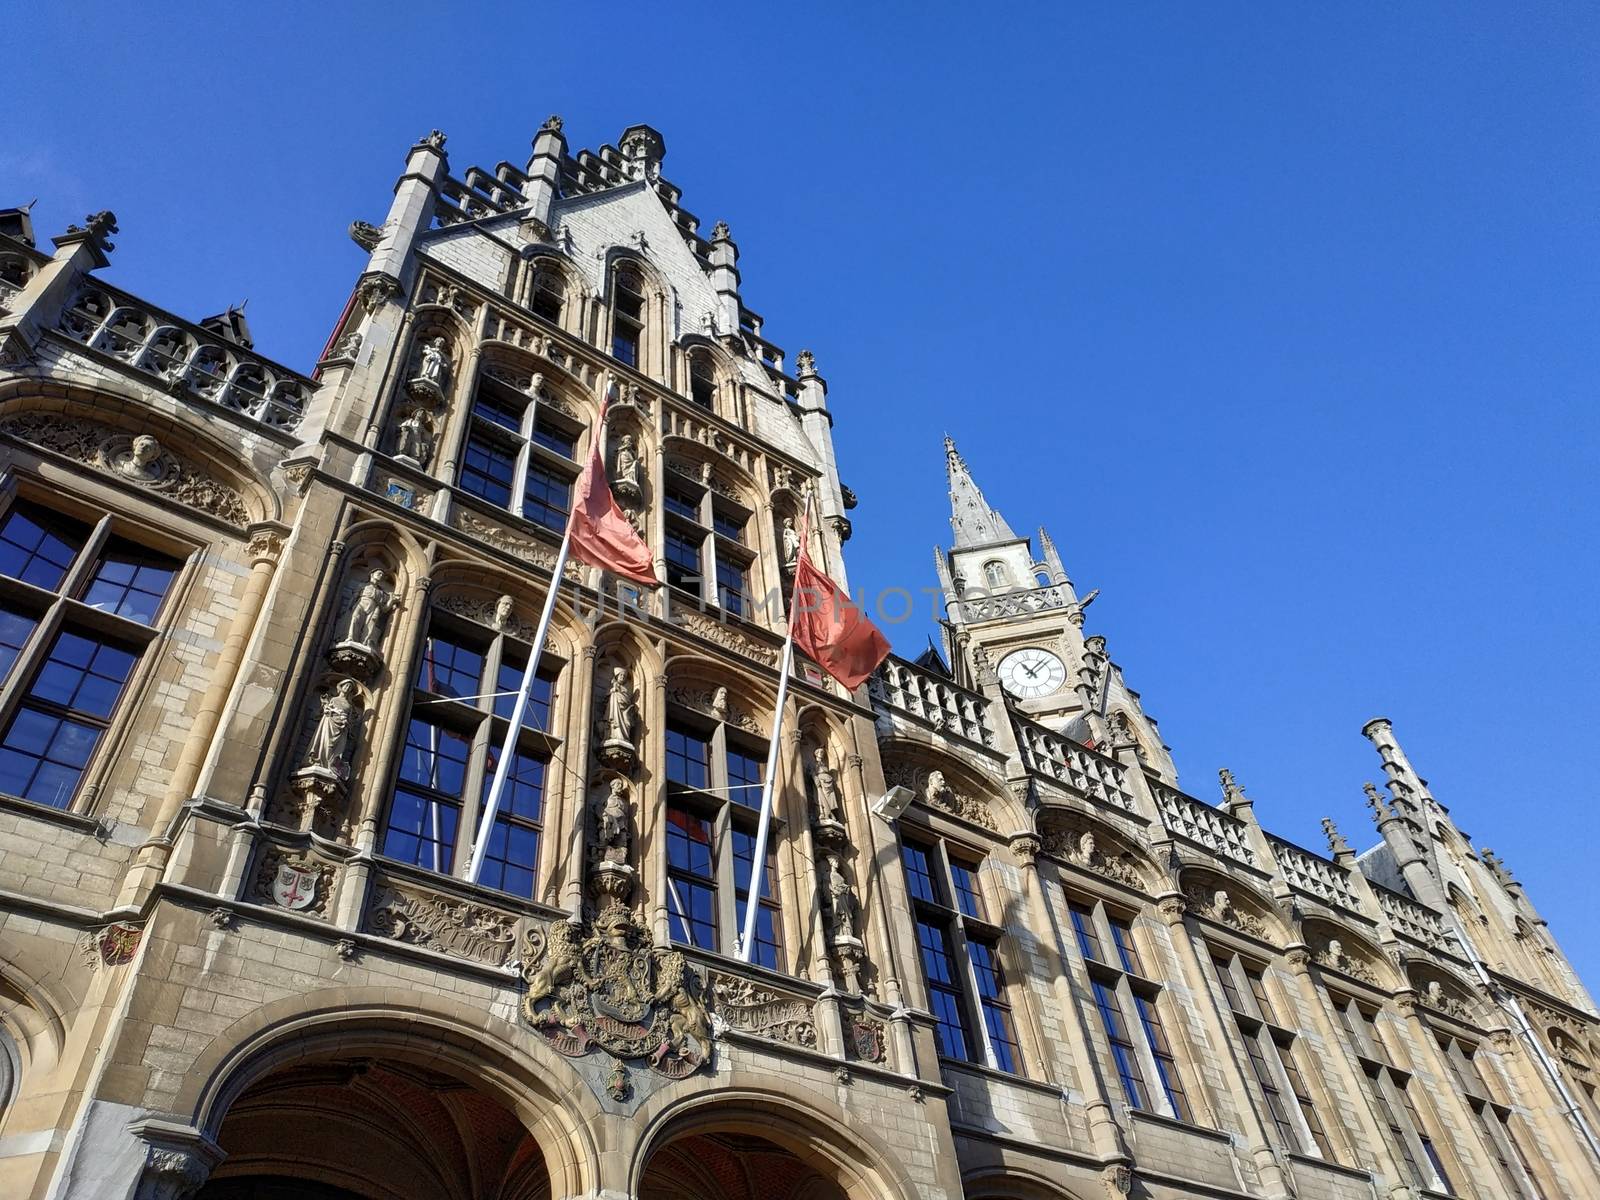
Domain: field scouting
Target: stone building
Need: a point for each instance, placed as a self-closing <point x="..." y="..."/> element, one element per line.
<point x="260" y="632"/>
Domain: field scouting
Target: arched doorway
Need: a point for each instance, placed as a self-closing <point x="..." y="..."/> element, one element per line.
<point x="732" y="1166"/>
<point x="373" y="1129"/>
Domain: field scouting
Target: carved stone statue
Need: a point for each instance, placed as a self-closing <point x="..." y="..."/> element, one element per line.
<point x="413" y="439"/>
<point x="719" y="703"/>
<point x="620" y="720"/>
<point x="627" y="482"/>
<point x="139" y="462"/>
<point x="504" y="612"/>
<point x="614" y="824"/>
<point x="433" y="370"/>
<point x="370" y="612"/>
<point x="838" y="901"/>
<point x="937" y="793"/>
<point x="791" y="544"/>
<point x="827" y="785"/>
<point x="334" y="736"/>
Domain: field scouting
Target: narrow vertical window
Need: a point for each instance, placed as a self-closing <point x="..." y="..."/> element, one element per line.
<point x="627" y="315"/>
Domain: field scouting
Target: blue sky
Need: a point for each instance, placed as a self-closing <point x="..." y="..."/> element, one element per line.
<point x="1282" y="317"/>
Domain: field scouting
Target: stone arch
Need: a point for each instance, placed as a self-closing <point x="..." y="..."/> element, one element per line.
<point x="973" y="794"/>
<point x="693" y="682"/>
<point x="1109" y="853"/>
<point x="1342" y="947"/>
<point x="32" y="1031"/>
<point x="1011" y="1183"/>
<point x="721" y="369"/>
<point x="813" y="1129"/>
<point x="1246" y="908"/>
<point x="1445" y="991"/>
<point x="212" y="476"/>
<point x="712" y="468"/>
<point x="441" y="1033"/>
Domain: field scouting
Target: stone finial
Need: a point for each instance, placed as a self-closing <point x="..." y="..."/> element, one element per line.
<point x="720" y="233"/>
<point x="805" y="363"/>
<point x="1375" y="801"/>
<point x="552" y="124"/>
<point x="98" y="227"/>
<point x="1337" y="846"/>
<point x="1496" y="867"/>
<point x="1232" y="794"/>
<point x="434" y="141"/>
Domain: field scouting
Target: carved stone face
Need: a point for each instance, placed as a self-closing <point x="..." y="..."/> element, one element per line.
<point x="936" y="783"/>
<point x="378" y="578"/>
<point x="503" y="607"/>
<point x="145" y="451"/>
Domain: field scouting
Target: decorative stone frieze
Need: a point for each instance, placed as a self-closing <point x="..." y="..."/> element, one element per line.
<point x="437" y="922"/>
<point x="293" y="882"/>
<point x="750" y="1008"/>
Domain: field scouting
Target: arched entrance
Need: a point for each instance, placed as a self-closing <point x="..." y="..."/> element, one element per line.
<point x="372" y="1129"/>
<point x="732" y="1166"/>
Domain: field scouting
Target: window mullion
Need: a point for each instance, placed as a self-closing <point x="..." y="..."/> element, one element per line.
<point x="1155" y="1093"/>
<point x="82" y="568"/>
<point x="972" y="998"/>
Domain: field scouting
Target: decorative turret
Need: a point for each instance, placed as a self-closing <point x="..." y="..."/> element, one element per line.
<point x="724" y="258"/>
<point x="544" y="170"/>
<point x="37" y="307"/>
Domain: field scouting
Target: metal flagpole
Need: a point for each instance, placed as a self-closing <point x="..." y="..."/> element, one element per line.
<point x="758" y="858"/>
<point x="491" y="804"/>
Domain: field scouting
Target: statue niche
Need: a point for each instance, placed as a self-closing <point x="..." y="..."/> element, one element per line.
<point x="358" y="651"/>
<point x="619" y="723"/>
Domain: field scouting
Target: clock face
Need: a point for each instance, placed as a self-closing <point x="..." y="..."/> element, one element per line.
<point x="1030" y="673"/>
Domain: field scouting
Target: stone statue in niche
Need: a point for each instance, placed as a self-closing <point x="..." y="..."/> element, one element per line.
<point x="413" y="439"/>
<point x="937" y="793"/>
<point x="370" y="612"/>
<point x="829" y="808"/>
<point x="614" y="824"/>
<point x="627" y="476"/>
<point x="838" y="902"/>
<point x="791" y="545"/>
<point x="433" y="371"/>
<point x="333" y="739"/>
<point x="620" y="721"/>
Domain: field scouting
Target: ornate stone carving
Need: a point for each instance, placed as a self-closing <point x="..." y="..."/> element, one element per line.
<point x="333" y="736"/>
<point x="868" y="1042"/>
<point x="373" y="292"/>
<point x="504" y="540"/>
<point x="265" y="545"/>
<point x="791" y="545"/>
<point x="826" y="786"/>
<point x="704" y="700"/>
<point x="366" y="621"/>
<point x="933" y="789"/>
<point x="627" y="474"/>
<point x="1218" y="905"/>
<point x="1435" y="996"/>
<point x="619" y="722"/>
<point x="724" y="635"/>
<point x="613" y="823"/>
<point x="1075" y="842"/>
<point x="1332" y="954"/>
<point x="111" y="945"/>
<point x="434" y="140"/>
<point x="171" y="1173"/>
<point x="366" y="235"/>
<point x="838" y="902"/>
<point x="431" y="380"/>
<point x="1172" y="908"/>
<point x="437" y="922"/>
<point x="603" y="985"/>
<point x="1337" y="846"/>
<point x="414" y="439"/>
<point x="1118" y="1179"/>
<point x="1298" y="959"/>
<point x="763" y="1012"/>
<point x="1026" y="848"/>
<point x="347" y="949"/>
<point x="137" y="459"/>
<point x="552" y="124"/>
<point x="295" y="883"/>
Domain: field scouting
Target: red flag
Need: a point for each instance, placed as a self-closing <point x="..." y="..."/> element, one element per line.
<point x="831" y="629"/>
<point x="601" y="535"/>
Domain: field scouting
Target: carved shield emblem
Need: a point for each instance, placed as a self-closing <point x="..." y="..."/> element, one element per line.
<point x="294" y="887"/>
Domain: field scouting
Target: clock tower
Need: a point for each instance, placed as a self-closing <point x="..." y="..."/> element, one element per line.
<point x="1015" y="613"/>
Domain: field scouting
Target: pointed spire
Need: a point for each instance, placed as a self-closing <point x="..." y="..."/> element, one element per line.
<point x="1233" y="797"/>
<point x="1380" y="809"/>
<point x="974" y="522"/>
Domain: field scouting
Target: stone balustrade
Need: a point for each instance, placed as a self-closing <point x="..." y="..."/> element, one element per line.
<point x="1317" y="877"/>
<point x="900" y="687"/>
<point x="1079" y="768"/>
<point x="1199" y="822"/>
<point x="1412" y="920"/>
<point x="990" y="606"/>
<point x="184" y="357"/>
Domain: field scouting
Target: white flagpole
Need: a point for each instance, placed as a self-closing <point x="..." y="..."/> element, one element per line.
<point x="491" y="804"/>
<point x="758" y="858"/>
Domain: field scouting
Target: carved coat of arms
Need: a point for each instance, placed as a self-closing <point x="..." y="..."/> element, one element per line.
<point x="294" y="887"/>
<point x="604" y="985"/>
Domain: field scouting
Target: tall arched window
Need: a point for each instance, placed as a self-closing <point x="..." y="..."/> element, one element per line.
<point x="960" y="951"/>
<point x="702" y="379"/>
<point x="627" y="314"/>
<point x="520" y="454"/>
<point x="461" y="702"/>
<point x="1123" y="985"/>
<point x="547" y="291"/>
<point x="995" y="574"/>
<point x="80" y="603"/>
<point x="714" y="772"/>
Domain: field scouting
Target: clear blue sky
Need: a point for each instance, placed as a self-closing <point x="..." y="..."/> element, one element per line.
<point x="1283" y="317"/>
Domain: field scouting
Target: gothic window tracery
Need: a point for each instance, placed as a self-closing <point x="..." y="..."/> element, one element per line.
<point x="547" y="290"/>
<point x="628" y="306"/>
<point x="80" y="603"/>
<point x="462" y="698"/>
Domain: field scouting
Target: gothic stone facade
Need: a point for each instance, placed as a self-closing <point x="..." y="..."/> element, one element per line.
<point x="259" y="631"/>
